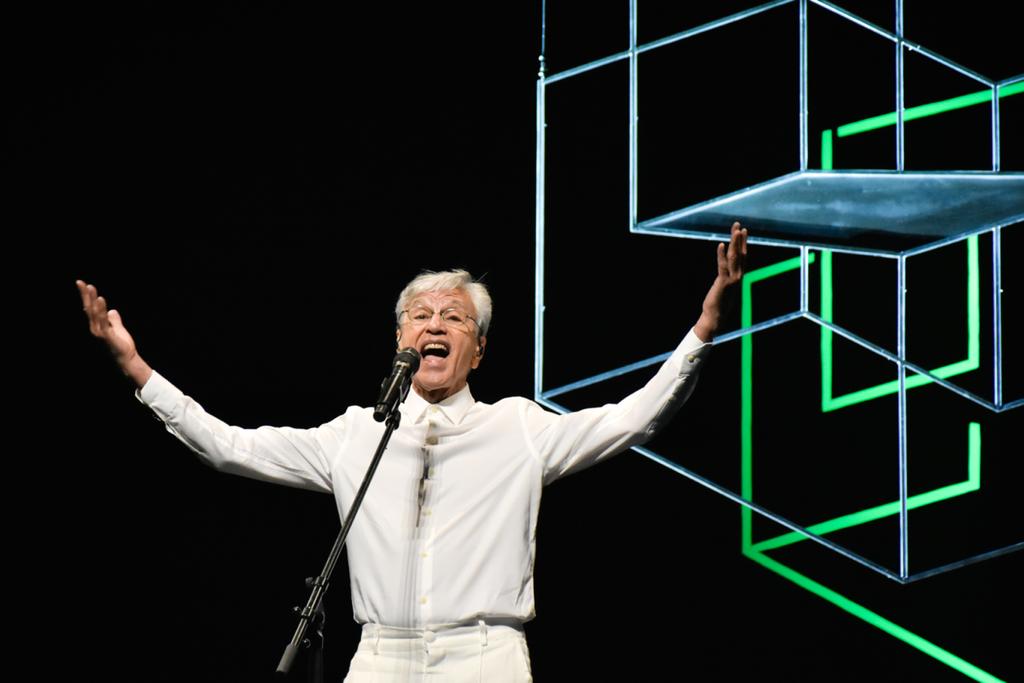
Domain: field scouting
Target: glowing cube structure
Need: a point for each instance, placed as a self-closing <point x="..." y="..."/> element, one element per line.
<point x="893" y="215"/>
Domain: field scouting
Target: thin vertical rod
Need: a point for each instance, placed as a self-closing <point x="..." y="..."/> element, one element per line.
<point x="901" y="346"/>
<point x="997" y="313"/>
<point x="899" y="86"/>
<point x="632" y="117"/>
<point x="543" y="30"/>
<point x="538" y="285"/>
<point x="996" y="158"/>
<point x="803" y="84"/>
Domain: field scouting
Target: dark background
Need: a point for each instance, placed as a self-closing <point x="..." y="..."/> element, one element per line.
<point x="251" y="184"/>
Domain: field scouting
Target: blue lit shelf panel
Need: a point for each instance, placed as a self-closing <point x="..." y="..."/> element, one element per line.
<point x="864" y="210"/>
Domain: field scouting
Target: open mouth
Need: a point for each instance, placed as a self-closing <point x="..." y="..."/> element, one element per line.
<point x="434" y="349"/>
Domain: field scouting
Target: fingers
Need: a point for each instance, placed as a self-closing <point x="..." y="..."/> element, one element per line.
<point x="88" y="294"/>
<point x="95" y="308"/>
<point x="98" y="316"/>
<point x="731" y="261"/>
<point x="100" y="311"/>
<point x="83" y="291"/>
<point x="739" y="233"/>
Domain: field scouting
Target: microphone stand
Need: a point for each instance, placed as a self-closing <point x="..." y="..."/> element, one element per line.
<point x="313" y="608"/>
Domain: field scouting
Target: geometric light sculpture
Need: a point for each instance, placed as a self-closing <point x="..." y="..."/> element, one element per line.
<point x="895" y="215"/>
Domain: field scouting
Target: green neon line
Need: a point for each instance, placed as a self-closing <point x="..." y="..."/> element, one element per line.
<point x="973" y="304"/>
<point x="826" y="149"/>
<point x="746" y="388"/>
<point x="973" y="483"/>
<point x="896" y="631"/>
<point x="972" y="362"/>
<point x="886" y="388"/>
<point x="826" y="339"/>
<point x="774" y="269"/>
<point x="746" y="413"/>
<point x="864" y="516"/>
<point x="864" y="125"/>
<point x="974" y="455"/>
<point x="924" y="110"/>
<point x="746" y="474"/>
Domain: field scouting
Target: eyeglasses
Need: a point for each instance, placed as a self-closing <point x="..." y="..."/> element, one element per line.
<point x="420" y="316"/>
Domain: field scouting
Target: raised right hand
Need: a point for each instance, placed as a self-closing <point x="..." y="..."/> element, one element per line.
<point x="107" y="326"/>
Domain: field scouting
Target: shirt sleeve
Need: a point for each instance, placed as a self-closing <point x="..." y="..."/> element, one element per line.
<point x="573" y="441"/>
<point x="282" y="455"/>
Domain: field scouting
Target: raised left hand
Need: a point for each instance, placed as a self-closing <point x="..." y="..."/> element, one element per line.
<point x="731" y="265"/>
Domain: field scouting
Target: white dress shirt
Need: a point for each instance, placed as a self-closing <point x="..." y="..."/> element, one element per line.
<point x="447" y="530"/>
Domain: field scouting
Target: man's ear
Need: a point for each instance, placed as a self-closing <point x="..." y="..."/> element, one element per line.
<point x="398" y="338"/>
<point x="481" y="343"/>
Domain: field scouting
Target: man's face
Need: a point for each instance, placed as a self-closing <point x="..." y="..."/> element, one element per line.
<point x="448" y="350"/>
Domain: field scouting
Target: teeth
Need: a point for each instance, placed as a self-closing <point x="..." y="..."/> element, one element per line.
<point x="435" y="349"/>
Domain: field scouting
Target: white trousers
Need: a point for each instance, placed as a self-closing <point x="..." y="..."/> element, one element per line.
<point x="476" y="653"/>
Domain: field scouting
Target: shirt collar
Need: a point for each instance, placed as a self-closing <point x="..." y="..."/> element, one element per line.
<point x="453" y="408"/>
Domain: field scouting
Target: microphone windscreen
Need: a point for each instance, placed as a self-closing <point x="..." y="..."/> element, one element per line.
<point x="411" y="356"/>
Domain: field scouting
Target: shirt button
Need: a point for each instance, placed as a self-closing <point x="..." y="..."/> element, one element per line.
<point x="423" y="600"/>
<point x="424" y="555"/>
<point x="432" y="440"/>
<point x="426" y="512"/>
<point x="431" y="472"/>
<point x="691" y="358"/>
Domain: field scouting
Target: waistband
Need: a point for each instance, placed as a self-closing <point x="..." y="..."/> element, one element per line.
<point x="398" y="639"/>
<point x="468" y="626"/>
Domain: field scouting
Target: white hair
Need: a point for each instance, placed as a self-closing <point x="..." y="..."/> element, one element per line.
<point x="432" y="281"/>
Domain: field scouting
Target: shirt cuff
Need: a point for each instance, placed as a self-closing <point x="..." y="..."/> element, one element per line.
<point x="159" y="395"/>
<point x="690" y="353"/>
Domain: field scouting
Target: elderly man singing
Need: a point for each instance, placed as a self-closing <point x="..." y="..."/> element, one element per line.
<point x="441" y="554"/>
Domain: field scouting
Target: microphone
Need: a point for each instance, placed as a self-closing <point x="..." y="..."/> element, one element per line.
<point x="394" y="389"/>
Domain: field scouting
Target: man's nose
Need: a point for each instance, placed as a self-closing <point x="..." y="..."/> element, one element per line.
<point x="437" y="324"/>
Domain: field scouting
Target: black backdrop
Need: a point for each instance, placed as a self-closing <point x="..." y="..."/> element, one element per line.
<point x="251" y="185"/>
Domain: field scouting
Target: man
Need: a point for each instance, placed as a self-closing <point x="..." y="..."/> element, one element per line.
<point x="441" y="553"/>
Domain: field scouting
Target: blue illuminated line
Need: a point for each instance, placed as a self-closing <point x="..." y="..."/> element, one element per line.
<point x="646" y="228"/>
<point x="538" y="278"/>
<point x="914" y="47"/>
<point x="932" y="246"/>
<point x="675" y="37"/>
<point x="1014" y="404"/>
<point x="638" y="365"/>
<point x="974" y="559"/>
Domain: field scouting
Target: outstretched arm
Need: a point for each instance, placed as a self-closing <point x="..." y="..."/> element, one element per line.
<point x="294" y="457"/>
<point x="569" y="442"/>
<point x="719" y="299"/>
<point x="107" y="326"/>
